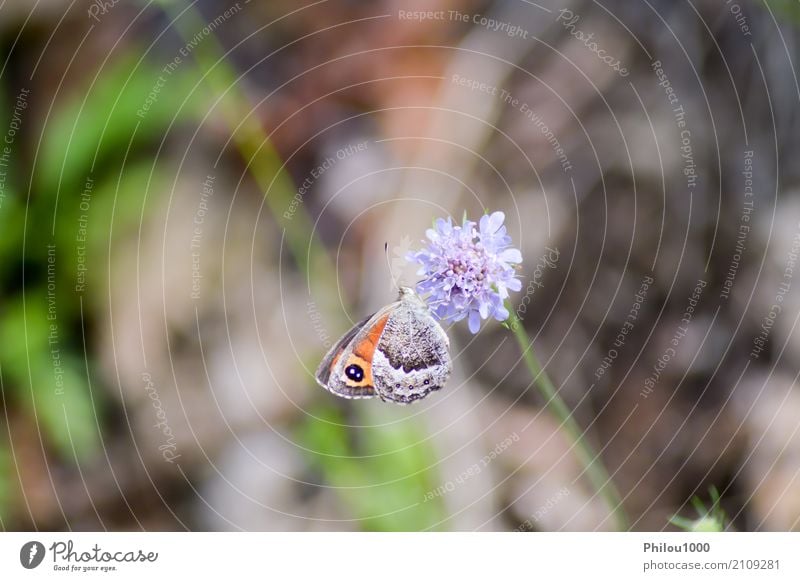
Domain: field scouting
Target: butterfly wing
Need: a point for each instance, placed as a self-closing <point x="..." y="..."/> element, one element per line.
<point x="347" y="368"/>
<point x="412" y="357"/>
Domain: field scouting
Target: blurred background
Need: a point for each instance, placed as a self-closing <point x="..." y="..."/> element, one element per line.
<point x="194" y="203"/>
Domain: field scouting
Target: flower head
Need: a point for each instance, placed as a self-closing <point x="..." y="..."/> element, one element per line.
<point x="468" y="270"/>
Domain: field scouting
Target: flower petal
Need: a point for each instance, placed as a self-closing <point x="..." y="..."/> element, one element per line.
<point x="514" y="284"/>
<point x="511" y="255"/>
<point x="474" y="322"/>
<point x="496" y="220"/>
<point x="501" y="313"/>
<point x="484" y="225"/>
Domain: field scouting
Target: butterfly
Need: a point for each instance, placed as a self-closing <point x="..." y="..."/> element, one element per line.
<point x="400" y="354"/>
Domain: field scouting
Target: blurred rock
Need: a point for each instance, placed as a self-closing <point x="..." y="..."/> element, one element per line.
<point x="769" y="407"/>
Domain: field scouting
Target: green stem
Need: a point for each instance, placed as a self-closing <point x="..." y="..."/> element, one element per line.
<point x="253" y="143"/>
<point x="593" y="466"/>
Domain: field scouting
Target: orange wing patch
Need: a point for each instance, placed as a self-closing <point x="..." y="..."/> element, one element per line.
<point x="363" y="353"/>
<point x="366" y="347"/>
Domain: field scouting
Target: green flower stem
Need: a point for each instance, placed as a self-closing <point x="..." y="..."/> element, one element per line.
<point x="252" y="141"/>
<point x="593" y="466"/>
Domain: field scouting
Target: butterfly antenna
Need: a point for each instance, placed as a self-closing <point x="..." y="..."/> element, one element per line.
<point x="389" y="266"/>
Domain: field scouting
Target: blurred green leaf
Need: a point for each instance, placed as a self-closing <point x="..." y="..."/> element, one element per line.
<point x="383" y="476"/>
<point x="120" y="203"/>
<point x="108" y="120"/>
<point x="114" y="207"/>
<point x="40" y="354"/>
<point x="63" y="406"/>
<point x="19" y="336"/>
<point x="11" y="208"/>
<point x="709" y="520"/>
<point x="11" y="223"/>
<point x="42" y="374"/>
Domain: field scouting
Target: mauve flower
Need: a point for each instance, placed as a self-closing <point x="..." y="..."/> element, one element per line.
<point x="468" y="271"/>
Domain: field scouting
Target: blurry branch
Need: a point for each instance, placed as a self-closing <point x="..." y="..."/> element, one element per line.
<point x="252" y="141"/>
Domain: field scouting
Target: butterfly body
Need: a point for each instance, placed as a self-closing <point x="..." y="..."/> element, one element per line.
<point x="400" y="354"/>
